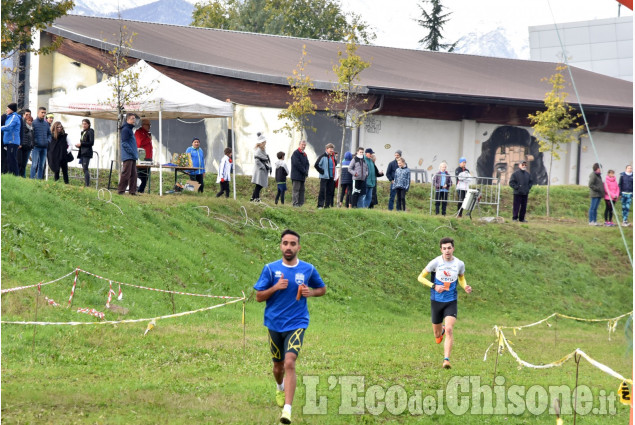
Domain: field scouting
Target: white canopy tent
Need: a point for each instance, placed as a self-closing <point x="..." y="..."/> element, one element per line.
<point x="167" y="98"/>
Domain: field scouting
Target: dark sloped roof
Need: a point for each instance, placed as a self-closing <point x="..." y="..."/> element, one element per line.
<point x="412" y="73"/>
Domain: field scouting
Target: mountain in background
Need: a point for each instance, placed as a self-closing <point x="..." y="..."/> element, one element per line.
<point x="495" y="43"/>
<point x="173" y="12"/>
<point x="498" y="43"/>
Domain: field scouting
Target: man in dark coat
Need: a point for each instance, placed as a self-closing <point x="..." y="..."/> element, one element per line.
<point x="390" y="174"/>
<point x="299" y="173"/>
<point x="521" y="182"/>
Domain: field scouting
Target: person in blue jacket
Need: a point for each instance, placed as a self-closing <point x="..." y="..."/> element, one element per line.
<point x="626" y="192"/>
<point x="129" y="156"/>
<point x="11" y="137"/>
<point x="198" y="160"/>
<point x="42" y="136"/>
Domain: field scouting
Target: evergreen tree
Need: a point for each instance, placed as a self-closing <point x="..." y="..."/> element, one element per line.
<point x="433" y="22"/>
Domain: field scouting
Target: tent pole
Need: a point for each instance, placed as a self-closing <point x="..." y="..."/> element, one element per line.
<point x="160" y="146"/>
<point x="233" y="147"/>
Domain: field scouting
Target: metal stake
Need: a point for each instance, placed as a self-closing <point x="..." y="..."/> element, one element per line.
<point x="577" y="359"/>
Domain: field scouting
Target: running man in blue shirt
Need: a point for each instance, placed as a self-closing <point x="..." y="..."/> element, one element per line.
<point x="448" y="271"/>
<point x="285" y="285"/>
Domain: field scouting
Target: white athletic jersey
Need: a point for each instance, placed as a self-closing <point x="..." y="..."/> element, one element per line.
<point x="445" y="272"/>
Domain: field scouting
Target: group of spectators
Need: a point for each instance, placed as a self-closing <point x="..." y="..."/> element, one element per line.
<point x="41" y="139"/>
<point x="610" y="190"/>
<point x="357" y="178"/>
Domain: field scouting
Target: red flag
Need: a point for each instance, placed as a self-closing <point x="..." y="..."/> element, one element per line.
<point x="627" y="3"/>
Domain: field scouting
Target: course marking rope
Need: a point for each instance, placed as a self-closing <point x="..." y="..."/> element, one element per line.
<point x="270" y="225"/>
<point x="264" y="223"/>
<point x="92" y="312"/>
<point x="611" y="322"/>
<point x="120" y="295"/>
<point x="116" y="322"/>
<point x="101" y="196"/>
<point x="50" y="302"/>
<point x="70" y="299"/>
<point x="154" y="289"/>
<point x="19" y="288"/>
<point x="504" y="343"/>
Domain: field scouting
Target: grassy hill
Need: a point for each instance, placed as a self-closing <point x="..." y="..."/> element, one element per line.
<point x="373" y="322"/>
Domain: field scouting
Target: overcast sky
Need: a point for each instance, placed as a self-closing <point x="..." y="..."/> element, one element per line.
<point x="395" y="27"/>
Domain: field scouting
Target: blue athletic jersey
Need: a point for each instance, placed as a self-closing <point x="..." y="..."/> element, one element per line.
<point x="283" y="312"/>
<point x="445" y="271"/>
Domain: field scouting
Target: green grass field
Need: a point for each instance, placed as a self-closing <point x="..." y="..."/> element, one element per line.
<point x="369" y="355"/>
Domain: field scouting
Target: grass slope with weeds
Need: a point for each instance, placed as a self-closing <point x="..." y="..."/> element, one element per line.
<point x="373" y="324"/>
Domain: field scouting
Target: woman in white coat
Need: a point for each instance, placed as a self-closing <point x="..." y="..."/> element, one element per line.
<point x="262" y="168"/>
<point x="225" y="173"/>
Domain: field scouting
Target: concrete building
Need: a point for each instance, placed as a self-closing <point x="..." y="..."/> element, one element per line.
<point x="604" y="46"/>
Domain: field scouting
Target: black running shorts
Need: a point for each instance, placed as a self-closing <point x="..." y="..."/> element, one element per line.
<point x="443" y="310"/>
<point x="281" y="343"/>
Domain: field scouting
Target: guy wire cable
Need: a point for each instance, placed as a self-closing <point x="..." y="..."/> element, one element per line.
<point x="586" y="123"/>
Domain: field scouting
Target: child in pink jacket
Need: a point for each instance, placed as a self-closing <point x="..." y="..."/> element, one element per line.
<point x="611" y="192"/>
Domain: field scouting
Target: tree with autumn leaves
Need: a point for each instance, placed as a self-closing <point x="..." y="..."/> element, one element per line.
<point x="301" y="108"/>
<point x="346" y="102"/>
<point x="557" y="125"/>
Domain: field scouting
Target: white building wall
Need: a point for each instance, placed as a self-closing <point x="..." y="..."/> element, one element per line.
<point x="604" y="46"/>
<point x="424" y="143"/>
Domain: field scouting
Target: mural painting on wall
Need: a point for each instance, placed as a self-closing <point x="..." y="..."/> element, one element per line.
<point x="505" y="149"/>
<point x="328" y="130"/>
<point x="372" y="124"/>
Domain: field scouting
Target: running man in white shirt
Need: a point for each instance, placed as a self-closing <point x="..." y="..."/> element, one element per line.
<point x="447" y="272"/>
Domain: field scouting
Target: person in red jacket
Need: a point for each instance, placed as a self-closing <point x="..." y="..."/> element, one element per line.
<point x="144" y="141"/>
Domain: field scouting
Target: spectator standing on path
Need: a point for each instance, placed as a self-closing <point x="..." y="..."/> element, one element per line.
<point x="441" y="183"/>
<point x="129" y="156"/>
<point x="285" y="285"/>
<point x="262" y="168"/>
<point x="358" y="168"/>
<point x="596" y="189"/>
<point x="611" y="193"/>
<point x="326" y="166"/>
<point x="198" y="160"/>
<point x="49" y="119"/>
<point x="85" y="145"/>
<point x="462" y="183"/>
<point x="282" y="171"/>
<point x="225" y="173"/>
<point x="346" y="181"/>
<point x="144" y="141"/>
<point x="42" y="138"/>
<point x="299" y="173"/>
<point x="390" y="175"/>
<point x="378" y="173"/>
<point x="521" y="181"/>
<point x="371" y="178"/>
<point x="26" y="142"/>
<point x="401" y="183"/>
<point x="626" y="192"/>
<point x="58" y="151"/>
<point x="5" y="168"/>
<point x="11" y="140"/>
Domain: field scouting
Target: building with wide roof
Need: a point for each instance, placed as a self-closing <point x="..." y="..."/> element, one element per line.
<point x="433" y="106"/>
